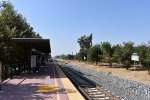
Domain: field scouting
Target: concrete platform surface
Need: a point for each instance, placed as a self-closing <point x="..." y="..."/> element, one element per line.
<point x="50" y="83"/>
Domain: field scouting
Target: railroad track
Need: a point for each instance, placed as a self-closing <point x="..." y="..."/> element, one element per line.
<point x="88" y="88"/>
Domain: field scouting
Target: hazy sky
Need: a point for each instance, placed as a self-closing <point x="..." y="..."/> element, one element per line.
<point x="64" y="21"/>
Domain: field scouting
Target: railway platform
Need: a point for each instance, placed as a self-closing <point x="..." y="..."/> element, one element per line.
<point x="50" y="83"/>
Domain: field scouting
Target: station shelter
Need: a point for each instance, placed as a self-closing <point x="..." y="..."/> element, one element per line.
<point x="38" y="49"/>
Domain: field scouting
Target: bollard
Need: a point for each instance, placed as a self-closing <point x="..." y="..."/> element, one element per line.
<point x="0" y="75"/>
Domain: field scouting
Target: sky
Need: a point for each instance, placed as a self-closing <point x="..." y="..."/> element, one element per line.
<point x="64" y="21"/>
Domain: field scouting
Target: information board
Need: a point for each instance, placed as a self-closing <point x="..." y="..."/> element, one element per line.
<point x="135" y="57"/>
<point x="33" y="61"/>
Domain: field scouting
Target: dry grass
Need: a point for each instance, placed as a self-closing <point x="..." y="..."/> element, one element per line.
<point x="139" y="76"/>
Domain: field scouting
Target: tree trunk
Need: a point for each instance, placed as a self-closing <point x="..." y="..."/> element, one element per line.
<point x="127" y="67"/>
<point x="111" y="64"/>
<point x="96" y="63"/>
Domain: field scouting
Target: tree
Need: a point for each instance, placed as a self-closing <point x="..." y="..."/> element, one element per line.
<point x="142" y="52"/>
<point x="117" y="52"/>
<point x="145" y="60"/>
<point x="12" y="25"/>
<point x="63" y="56"/>
<point x="107" y="52"/>
<point x="127" y="50"/>
<point x="7" y="30"/>
<point x="85" y="43"/>
<point x="146" y="63"/>
<point x="94" y="54"/>
<point x="78" y="56"/>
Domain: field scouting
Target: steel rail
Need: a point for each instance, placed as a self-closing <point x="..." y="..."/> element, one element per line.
<point x="88" y="88"/>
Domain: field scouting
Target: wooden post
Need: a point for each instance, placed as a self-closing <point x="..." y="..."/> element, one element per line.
<point x="30" y="60"/>
<point x="0" y="75"/>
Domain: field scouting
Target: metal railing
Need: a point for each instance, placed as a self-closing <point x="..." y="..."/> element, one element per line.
<point x="8" y="71"/>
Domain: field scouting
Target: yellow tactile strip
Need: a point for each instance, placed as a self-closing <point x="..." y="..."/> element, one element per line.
<point x="72" y="92"/>
<point x="47" y="89"/>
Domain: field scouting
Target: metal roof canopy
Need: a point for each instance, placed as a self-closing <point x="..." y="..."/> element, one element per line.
<point x="43" y="45"/>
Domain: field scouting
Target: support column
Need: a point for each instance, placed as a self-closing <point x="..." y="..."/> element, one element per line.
<point x="30" y="60"/>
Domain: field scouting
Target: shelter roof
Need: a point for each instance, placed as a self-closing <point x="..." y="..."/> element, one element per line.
<point x="43" y="45"/>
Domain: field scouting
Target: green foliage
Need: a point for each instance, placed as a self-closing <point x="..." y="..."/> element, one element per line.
<point x="13" y="25"/>
<point x="94" y="53"/>
<point x="107" y="52"/>
<point x="63" y="56"/>
<point x="85" y="43"/>
<point x="106" y="48"/>
<point x="67" y="57"/>
<point x="78" y="56"/>
<point x="145" y="60"/>
<point x="127" y="51"/>
<point x="117" y="53"/>
<point x="142" y="52"/>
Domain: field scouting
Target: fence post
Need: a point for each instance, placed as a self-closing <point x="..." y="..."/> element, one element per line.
<point x="0" y="75"/>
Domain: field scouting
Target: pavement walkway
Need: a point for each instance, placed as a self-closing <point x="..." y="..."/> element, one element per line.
<point x="47" y="84"/>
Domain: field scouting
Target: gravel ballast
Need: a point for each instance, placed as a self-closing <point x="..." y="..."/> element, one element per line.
<point x="124" y="88"/>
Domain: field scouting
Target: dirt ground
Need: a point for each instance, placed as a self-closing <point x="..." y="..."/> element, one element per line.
<point x="140" y="76"/>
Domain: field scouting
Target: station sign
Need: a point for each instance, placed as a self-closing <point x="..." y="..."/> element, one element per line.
<point x="134" y="57"/>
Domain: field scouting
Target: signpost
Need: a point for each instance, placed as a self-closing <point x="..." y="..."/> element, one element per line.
<point x="84" y="59"/>
<point x="135" y="58"/>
